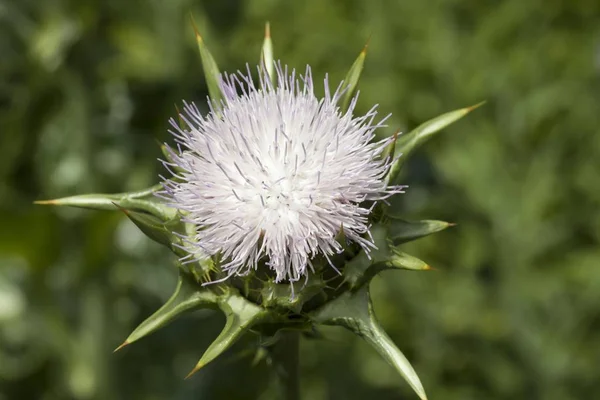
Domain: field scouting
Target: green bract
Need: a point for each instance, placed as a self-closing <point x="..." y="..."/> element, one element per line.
<point x="255" y="301"/>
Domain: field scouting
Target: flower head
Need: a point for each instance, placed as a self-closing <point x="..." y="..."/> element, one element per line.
<point x="276" y="173"/>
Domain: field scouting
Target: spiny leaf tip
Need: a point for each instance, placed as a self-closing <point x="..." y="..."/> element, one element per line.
<point x="366" y="46"/>
<point x="125" y="343"/>
<point x="45" y="202"/>
<point x="196" y="32"/>
<point x="196" y="369"/>
<point x="473" y="107"/>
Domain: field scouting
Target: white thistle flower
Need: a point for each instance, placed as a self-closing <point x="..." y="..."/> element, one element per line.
<point x="276" y="172"/>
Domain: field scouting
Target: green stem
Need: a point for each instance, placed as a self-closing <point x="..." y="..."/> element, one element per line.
<point x="286" y="362"/>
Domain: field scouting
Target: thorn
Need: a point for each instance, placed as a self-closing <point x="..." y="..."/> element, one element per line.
<point x="198" y="36"/>
<point x="196" y="369"/>
<point x="469" y="109"/>
<point x="125" y="343"/>
<point x="267" y="30"/>
<point x="451" y="224"/>
<point x="46" y="202"/>
<point x="120" y="208"/>
<point x="364" y="50"/>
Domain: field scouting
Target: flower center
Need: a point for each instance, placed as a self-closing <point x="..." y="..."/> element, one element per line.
<point x="281" y="200"/>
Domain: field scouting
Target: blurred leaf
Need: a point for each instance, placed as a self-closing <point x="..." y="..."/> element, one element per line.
<point x="54" y="38"/>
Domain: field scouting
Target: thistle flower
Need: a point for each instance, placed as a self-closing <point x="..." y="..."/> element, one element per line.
<point x="277" y="172"/>
<point x="263" y="189"/>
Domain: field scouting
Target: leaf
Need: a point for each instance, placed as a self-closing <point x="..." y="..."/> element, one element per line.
<point x="143" y="200"/>
<point x="354" y="311"/>
<point x="352" y="78"/>
<point x="211" y="70"/>
<point x="406" y="144"/>
<point x="188" y="296"/>
<point x="240" y="315"/>
<point x="266" y="55"/>
<point x="401" y="231"/>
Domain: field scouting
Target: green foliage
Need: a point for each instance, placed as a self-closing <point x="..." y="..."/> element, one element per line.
<point x="512" y="310"/>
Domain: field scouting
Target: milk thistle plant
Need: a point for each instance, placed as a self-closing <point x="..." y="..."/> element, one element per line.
<point x="275" y="205"/>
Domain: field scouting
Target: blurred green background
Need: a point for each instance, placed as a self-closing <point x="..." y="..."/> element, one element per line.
<point x="513" y="309"/>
